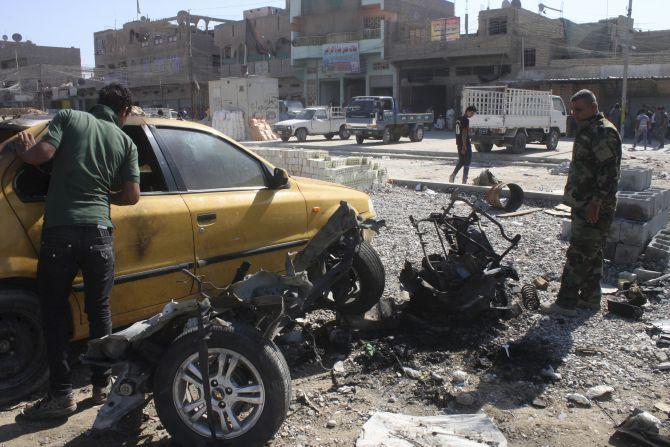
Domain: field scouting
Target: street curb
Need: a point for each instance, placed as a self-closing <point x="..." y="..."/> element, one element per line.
<point x="446" y="187"/>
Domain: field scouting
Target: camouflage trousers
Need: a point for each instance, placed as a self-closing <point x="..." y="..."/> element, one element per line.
<point x="584" y="260"/>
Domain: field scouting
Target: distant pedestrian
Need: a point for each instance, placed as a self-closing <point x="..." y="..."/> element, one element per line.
<point x="650" y="128"/>
<point x="463" y="144"/>
<point x="615" y="116"/>
<point x="591" y="193"/>
<point x="661" y="120"/>
<point x="642" y="124"/>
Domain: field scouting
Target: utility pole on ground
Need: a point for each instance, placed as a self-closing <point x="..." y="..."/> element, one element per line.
<point x="190" y="64"/>
<point x="626" y="61"/>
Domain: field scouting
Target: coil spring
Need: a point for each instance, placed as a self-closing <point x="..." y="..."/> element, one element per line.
<point x="529" y="297"/>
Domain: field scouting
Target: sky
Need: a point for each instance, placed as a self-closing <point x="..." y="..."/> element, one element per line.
<point x="72" y="23"/>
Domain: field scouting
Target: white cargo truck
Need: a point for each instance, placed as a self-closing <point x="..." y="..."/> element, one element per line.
<point x="512" y="117"/>
<point x="326" y="121"/>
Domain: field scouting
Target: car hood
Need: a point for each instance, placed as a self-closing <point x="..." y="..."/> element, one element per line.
<point x="291" y="123"/>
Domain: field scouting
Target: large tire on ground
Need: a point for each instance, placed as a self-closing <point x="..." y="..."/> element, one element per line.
<point x="365" y="285"/>
<point x="483" y="147"/>
<point x="552" y="139"/>
<point x="329" y="136"/>
<point x="344" y="133"/>
<point x="360" y="139"/>
<point x="284" y="139"/>
<point x="23" y="364"/>
<point x="251" y="388"/>
<point x="387" y="136"/>
<point x="519" y="146"/>
<point x="417" y="134"/>
<point x="301" y="134"/>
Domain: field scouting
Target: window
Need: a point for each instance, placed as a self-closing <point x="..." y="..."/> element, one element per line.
<point x="497" y="26"/>
<point x="144" y="43"/>
<point x="227" y="52"/>
<point x="483" y="70"/>
<point x="172" y="38"/>
<point x="417" y="34"/>
<point x="558" y="105"/>
<point x="151" y="176"/>
<point x="158" y="39"/>
<point x="31" y="183"/>
<point x="529" y="57"/>
<point x="216" y="60"/>
<point x="207" y="162"/>
<point x="380" y="66"/>
<point x="505" y="69"/>
<point x="321" y="115"/>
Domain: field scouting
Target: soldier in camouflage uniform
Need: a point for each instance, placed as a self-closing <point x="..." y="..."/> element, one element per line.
<point x="591" y="192"/>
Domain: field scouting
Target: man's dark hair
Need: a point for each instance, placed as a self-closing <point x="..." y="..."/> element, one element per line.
<point x="115" y="96"/>
<point x="585" y="95"/>
<point x="471" y="109"/>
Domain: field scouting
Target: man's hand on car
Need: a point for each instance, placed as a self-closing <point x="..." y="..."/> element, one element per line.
<point x="32" y="152"/>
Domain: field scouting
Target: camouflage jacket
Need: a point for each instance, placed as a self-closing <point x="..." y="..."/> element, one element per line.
<point x="596" y="162"/>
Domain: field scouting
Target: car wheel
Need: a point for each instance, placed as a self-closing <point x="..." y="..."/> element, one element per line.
<point x="251" y="388"/>
<point x="417" y="134"/>
<point x="519" y="146"/>
<point x="23" y="364"/>
<point x="483" y="147"/>
<point x="552" y="140"/>
<point x="301" y="134"/>
<point x="284" y="139"/>
<point x="364" y="287"/>
<point x="360" y="139"/>
<point x="387" y="136"/>
<point x="329" y="136"/>
<point x="344" y="133"/>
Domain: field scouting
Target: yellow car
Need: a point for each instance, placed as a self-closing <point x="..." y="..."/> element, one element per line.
<point x="207" y="205"/>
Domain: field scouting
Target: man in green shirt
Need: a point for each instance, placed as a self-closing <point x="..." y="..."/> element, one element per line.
<point x="94" y="164"/>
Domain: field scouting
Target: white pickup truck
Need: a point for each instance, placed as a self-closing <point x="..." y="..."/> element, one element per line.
<point x="327" y="121"/>
<point x="512" y="117"/>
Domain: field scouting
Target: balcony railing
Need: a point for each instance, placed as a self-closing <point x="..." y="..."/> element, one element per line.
<point x="366" y="33"/>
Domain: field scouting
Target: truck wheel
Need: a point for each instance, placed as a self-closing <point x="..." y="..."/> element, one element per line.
<point x="387" y="136"/>
<point x="23" y="364"/>
<point x="329" y="136"/>
<point x="552" y="140"/>
<point x="360" y="139"/>
<point x="483" y="147"/>
<point x="301" y="134"/>
<point x="251" y="389"/>
<point x="344" y="133"/>
<point x="284" y="139"/>
<point x="417" y="134"/>
<point x="519" y="146"/>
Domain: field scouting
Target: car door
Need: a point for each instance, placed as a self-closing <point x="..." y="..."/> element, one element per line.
<point x="320" y="122"/>
<point x="558" y="114"/>
<point x="153" y="239"/>
<point x="235" y="216"/>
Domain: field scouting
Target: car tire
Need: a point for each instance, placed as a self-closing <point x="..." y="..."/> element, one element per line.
<point x="360" y="139"/>
<point x="519" y="146"/>
<point x="552" y="139"/>
<point x="259" y="360"/>
<point x="367" y="276"/>
<point x="23" y="363"/>
<point x="344" y="133"/>
<point x="417" y="134"/>
<point x="284" y="139"/>
<point x="387" y="136"/>
<point x="301" y="134"/>
<point x="483" y="147"/>
<point x="329" y="136"/>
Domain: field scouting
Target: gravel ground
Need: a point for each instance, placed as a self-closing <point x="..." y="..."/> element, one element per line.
<point x="491" y="365"/>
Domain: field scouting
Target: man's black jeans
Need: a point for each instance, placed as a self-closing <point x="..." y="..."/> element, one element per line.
<point x="64" y="251"/>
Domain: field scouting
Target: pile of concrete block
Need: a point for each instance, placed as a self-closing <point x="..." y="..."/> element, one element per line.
<point x="357" y="172"/>
<point x="642" y="211"/>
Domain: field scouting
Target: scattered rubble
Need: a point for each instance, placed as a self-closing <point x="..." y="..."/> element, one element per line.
<point x="579" y="399"/>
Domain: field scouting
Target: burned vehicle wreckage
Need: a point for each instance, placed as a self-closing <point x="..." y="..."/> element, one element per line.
<point x="215" y="374"/>
<point x="464" y="276"/>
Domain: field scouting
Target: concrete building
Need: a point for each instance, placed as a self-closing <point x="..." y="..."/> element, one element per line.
<point x="260" y="45"/>
<point x="527" y="49"/>
<point x="28" y="72"/>
<point x="342" y="46"/>
<point x="165" y="63"/>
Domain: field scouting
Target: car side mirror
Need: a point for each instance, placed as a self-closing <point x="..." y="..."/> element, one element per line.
<point x="279" y="178"/>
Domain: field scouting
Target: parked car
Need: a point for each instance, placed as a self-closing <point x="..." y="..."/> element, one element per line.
<point x="378" y="118"/>
<point x="207" y="205"/>
<point x="513" y="117"/>
<point x="326" y="121"/>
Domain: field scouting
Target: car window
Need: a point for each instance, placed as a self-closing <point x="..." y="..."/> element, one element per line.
<point x="558" y="105"/>
<point x="388" y="104"/>
<point x="151" y="176"/>
<point x="208" y="162"/>
<point x="321" y="115"/>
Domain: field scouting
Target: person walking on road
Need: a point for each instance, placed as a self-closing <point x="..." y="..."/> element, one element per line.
<point x="642" y="124"/>
<point x="591" y="192"/>
<point x="661" y="120"/>
<point x="463" y="144"/>
<point x="94" y="164"/>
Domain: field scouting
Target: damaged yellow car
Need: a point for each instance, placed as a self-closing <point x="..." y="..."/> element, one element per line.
<point x="207" y="205"/>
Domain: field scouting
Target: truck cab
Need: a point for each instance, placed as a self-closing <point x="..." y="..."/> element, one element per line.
<point x="326" y="121"/>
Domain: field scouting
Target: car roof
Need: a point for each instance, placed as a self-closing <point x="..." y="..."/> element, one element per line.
<point x="24" y="122"/>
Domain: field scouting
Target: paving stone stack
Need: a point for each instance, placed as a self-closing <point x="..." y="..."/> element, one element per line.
<point x="357" y="172"/>
<point x="642" y="212"/>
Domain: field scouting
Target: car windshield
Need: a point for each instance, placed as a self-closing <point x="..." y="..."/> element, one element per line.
<point x="306" y="114"/>
<point x="293" y="105"/>
<point x="363" y="105"/>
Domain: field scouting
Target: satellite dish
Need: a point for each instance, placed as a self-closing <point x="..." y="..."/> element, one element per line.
<point x="16" y="37"/>
<point x="4" y="37"/>
<point x="143" y="19"/>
